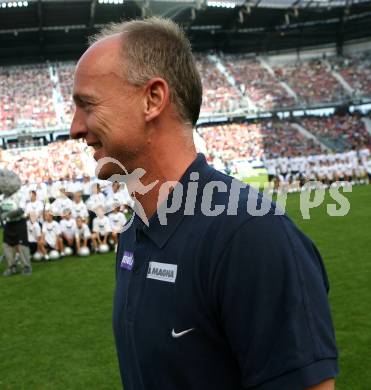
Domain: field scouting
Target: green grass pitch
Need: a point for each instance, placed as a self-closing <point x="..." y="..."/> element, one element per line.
<point x="55" y="326"/>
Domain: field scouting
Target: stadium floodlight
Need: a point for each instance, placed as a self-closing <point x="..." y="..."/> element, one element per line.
<point x="221" y="4"/>
<point x="116" y="2"/>
<point x="15" y="4"/>
<point x="25" y="4"/>
<point x="3" y="5"/>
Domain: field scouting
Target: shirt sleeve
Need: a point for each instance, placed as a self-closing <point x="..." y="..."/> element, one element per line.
<point x="272" y="303"/>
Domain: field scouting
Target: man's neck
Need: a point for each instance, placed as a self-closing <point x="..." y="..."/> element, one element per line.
<point x="168" y="168"/>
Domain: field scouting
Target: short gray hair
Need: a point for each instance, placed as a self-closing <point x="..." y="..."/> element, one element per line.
<point x="157" y="47"/>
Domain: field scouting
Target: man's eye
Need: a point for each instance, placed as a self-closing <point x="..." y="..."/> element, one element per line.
<point x="87" y="106"/>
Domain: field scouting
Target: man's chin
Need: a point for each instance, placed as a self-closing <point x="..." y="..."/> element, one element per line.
<point x="109" y="169"/>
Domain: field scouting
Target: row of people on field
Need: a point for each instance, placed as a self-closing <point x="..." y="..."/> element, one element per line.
<point x="354" y="167"/>
<point x="79" y="203"/>
<point x="56" y="233"/>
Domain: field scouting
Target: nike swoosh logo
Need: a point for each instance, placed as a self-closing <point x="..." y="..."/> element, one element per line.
<point x="176" y="335"/>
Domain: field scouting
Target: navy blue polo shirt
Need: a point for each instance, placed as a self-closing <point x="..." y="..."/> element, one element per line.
<point x="221" y="302"/>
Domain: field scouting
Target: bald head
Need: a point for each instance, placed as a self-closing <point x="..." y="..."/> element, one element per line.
<point x="157" y="47"/>
<point x="104" y="56"/>
<point x="103" y="59"/>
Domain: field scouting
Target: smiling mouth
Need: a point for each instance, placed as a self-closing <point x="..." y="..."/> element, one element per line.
<point x="96" y="145"/>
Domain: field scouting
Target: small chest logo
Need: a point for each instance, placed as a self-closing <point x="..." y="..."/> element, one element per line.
<point x="127" y="260"/>
<point x="162" y="271"/>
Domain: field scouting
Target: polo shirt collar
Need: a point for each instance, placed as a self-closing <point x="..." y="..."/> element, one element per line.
<point x="160" y="234"/>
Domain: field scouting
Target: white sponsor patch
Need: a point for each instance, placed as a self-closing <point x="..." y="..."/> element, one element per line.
<point x="162" y="271"/>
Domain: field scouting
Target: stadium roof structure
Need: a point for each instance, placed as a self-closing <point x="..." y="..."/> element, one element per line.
<point x="35" y="30"/>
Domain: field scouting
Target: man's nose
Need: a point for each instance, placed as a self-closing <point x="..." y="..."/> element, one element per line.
<point x="78" y="128"/>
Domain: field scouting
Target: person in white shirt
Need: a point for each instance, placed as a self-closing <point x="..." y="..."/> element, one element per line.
<point x="367" y="167"/>
<point x="270" y="164"/>
<point x="41" y="191"/>
<point x="82" y="234"/>
<point x="61" y="204"/>
<point x="74" y="186"/>
<point x="68" y="230"/>
<point x="51" y="236"/>
<point x="116" y="195"/>
<point x="101" y="229"/>
<point x="96" y="199"/>
<point x="33" y="233"/>
<point x="54" y="190"/>
<point x="86" y="187"/>
<point x="283" y="166"/>
<point x="79" y="208"/>
<point x="34" y="206"/>
<point x="363" y="155"/>
<point x="117" y="220"/>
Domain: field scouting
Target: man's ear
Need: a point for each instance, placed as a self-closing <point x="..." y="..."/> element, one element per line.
<point x="156" y="98"/>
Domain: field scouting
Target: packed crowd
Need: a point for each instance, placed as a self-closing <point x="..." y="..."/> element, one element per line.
<point x="341" y="131"/>
<point x="257" y="83"/>
<point x="219" y="96"/>
<point x="57" y="160"/>
<point x="256" y="140"/>
<point x="26" y="97"/>
<point x="356" y="71"/>
<point x="26" y="92"/>
<point x="312" y="82"/>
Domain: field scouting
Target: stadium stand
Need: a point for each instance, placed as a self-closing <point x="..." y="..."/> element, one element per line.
<point x="218" y="95"/>
<point x="356" y="71"/>
<point x="256" y="82"/>
<point x="312" y="81"/>
<point x="339" y="132"/>
<point x="56" y="161"/>
<point x="256" y="140"/>
<point x="39" y="96"/>
<point x="26" y="97"/>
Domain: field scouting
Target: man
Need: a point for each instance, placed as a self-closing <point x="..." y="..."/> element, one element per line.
<point x="101" y="229"/>
<point x="68" y="228"/>
<point x="51" y="237"/>
<point x="33" y="233"/>
<point x="34" y="206"/>
<point x="117" y="220"/>
<point x="117" y="195"/>
<point x="79" y="208"/>
<point x="82" y="234"/>
<point x="63" y="202"/>
<point x="202" y="302"/>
